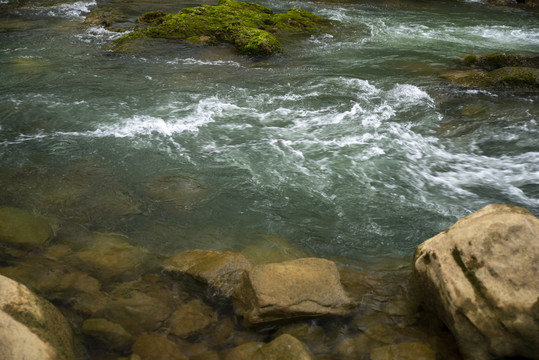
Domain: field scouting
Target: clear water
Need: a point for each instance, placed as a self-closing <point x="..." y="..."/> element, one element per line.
<point x="349" y="146"/>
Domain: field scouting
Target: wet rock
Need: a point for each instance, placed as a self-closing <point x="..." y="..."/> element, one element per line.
<point x="31" y="327"/>
<point x="291" y="289"/>
<point x="157" y="347"/>
<point x="271" y="249"/>
<point x="22" y="229"/>
<point x="284" y="347"/>
<point x="481" y="278"/>
<point x="134" y="311"/>
<point x="220" y="270"/>
<point x="191" y="319"/>
<point x="90" y="303"/>
<point x="110" y="19"/>
<point x="310" y="334"/>
<point x="404" y="351"/>
<point x="248" y="26"/>
<point x="357" y="347"/>
<point x="245" y="351"/>
<point x="181" y="192"/>
<point x="495" y="61"/>
<point x="51" y="279"/>
<point x="111" y="257"/>
<point x="113" y="335"/>
<point x="199" y="351"/>
<point x="498" y="71"/>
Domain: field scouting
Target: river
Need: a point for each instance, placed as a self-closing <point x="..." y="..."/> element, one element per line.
<point x="347" y="146"/>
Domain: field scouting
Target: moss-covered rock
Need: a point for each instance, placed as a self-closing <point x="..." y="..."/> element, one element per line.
<point x="503" y="71"/>
<point x="253" y="29"/>
<point x="108" y="18"/>
<point x="495" y="61"/>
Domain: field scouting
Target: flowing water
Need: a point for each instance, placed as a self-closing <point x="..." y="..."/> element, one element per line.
<point x="347" y="146"/>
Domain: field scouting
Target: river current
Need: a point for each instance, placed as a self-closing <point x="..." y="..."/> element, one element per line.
<point x="349" y="146"/>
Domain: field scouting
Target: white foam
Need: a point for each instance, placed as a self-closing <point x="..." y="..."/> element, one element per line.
<point x="70" y="10"/>
<point x="193" y="61"/>
<point x="93" y="33"/>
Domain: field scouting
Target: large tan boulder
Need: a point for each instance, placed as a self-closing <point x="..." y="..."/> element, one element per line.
<point x="481" y="277"/>
<point x="220" y="270"/>
<point x="292" y="289"/>
<point x="31" y="327"/>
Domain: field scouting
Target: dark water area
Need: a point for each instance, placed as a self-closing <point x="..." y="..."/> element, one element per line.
<point x="347" y="146"/>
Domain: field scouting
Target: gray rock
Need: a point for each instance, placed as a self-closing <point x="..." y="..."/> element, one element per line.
<point x="481" y="277"/>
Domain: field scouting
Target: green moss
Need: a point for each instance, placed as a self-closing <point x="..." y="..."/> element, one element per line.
<point x="513" y="77"/>
<point x="470" y="60"/>
<point x="152" y="17"/>
<point x="299" y="21"/>
<point x="248" y="26"/>
<point x="251" y="41"/>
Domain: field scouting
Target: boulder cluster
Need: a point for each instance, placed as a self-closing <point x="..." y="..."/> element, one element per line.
<point x="480" y="278"/>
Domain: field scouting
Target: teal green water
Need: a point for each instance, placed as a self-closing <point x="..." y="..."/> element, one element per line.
<point x="347" y="145"/>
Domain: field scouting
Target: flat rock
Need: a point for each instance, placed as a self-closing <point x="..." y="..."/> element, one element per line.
<point x="220" y="270"/>
<point x="481" y="277"/>
<point x="31" y="327"/>
<point x="299" y="288"/>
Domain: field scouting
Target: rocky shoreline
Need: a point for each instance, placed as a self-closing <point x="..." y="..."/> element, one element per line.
<point x="116" y="300"/>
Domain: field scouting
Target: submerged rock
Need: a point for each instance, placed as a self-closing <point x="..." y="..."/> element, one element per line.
<point x="110" y="257"/>
<point x="22" y="229"/>
<point x="404" y="351"/>
<point x="135" y="311"/>
<point x="157" y="347"/>
<point x="220" y="270"/>
<point x="284" y="347"/>
<point x="182" y="192"/>
<point x="113" y="335"/>
<point x="191" y="319"/>
<point x="31" y="327"/>
<point x="292" y="289"/>
<point x="251" y="28"/>
<point x="481" y="277"/>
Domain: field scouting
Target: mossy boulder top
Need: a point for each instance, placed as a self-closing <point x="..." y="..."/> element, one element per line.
<point x="502" y="71"/>
<point x="251" y="28"/>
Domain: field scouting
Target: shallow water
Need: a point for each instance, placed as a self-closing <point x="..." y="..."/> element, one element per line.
<point x="349" y="146"/>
